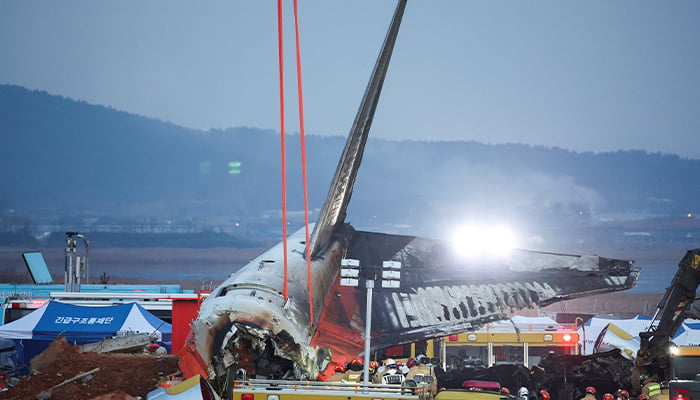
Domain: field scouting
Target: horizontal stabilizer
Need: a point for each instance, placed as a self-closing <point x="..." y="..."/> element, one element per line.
<point x="443" y="293"/>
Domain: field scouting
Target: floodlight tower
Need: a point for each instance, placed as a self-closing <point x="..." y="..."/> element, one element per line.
<point x="390" y="276"/>
<point x="76" y="265"/>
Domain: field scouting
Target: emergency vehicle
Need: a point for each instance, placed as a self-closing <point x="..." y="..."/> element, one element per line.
<point x="295" y="390"/>
<point x="265" y="389"/>
<point x="496" y="343"/>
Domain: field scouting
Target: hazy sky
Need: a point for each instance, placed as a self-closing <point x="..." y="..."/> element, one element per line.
<point x="581" y="75"/>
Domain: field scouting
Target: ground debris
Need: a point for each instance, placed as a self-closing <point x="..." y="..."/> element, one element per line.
<point x="120" y="376"/>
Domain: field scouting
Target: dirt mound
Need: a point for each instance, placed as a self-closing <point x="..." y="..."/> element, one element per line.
<point x="120" y="375"/>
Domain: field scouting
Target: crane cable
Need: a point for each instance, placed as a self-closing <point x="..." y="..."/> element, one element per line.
<point x="303" y="154"/>
<point x="303" y="165"/>
<point x="280" y="52"/>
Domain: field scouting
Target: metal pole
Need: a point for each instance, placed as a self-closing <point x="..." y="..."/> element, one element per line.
<point x="368" y="330"/>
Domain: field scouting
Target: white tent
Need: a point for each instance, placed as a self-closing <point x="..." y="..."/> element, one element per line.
<point x="589" y="332"/>
<point x="688" y="334"/>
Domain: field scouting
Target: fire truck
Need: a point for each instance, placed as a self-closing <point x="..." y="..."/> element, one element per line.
<point x="266" y="389"/>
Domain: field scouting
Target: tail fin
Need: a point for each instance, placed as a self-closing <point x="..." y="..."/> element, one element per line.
<point x="335" y="208"/>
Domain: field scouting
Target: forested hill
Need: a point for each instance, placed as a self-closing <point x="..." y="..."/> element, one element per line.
<point x="66" y="159"/>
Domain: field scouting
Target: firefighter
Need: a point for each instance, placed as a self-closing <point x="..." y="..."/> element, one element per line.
<point x="373" y="365"/>
<point x="354" y="371"/>
<point x="651" y="388"/>
<point x="622" y="395"/>
<point x="390" y="374"/>
<point x="523" y="393"/>
<point x="590" y="393"/>
<point x="338" y="375"/>
<point x="423" y="374"/>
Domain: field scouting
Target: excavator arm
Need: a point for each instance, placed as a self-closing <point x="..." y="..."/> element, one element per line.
<point x="672" y="310"/>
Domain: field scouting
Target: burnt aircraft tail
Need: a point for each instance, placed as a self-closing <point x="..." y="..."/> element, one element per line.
<point x="336" y="204"/>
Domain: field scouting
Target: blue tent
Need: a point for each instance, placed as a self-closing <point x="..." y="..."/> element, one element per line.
<point x="80" y="325"/>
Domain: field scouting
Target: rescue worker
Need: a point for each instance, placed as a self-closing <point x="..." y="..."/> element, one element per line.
<point x="338" y="375"/>
<point x="523" y="393"/>
<point x="423" y="374"/>
<point x="373" y="365"/>
<point x="390" y="374"/>
<point x="622" y="395"/>
<point x="354" y="371"/>
<point x="652" y="388"/>
<point x="403" y="368"/>
<point x="590" y="393"/>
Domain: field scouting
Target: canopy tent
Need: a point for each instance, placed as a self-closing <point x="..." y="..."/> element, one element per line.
<point x="589" y="332"/>
<point x="80" y="325"/>
<point x="602" y="333"/>
<point x="688" y="334"/>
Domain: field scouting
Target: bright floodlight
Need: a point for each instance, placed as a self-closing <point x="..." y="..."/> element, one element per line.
<point x="474" y="241"/>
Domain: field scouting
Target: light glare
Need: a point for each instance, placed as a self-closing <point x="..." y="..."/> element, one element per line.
<point x="471" y="241"/>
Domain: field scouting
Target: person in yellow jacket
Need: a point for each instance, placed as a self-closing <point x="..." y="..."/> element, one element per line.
<point x="338" y="375"/>
<point x="354" y="371"/>
<point x="590" y="394"/>
<point x="652" y="388"/>
<point x="422" y="374"/>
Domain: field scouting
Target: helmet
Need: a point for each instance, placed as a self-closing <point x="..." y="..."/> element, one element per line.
<point x="357" y="361"/>
<point x="340" y="368"/>
<point x="523" y="392"/>
<point x="544" y="394"/>
<point x="373" y="365"/>
<point x="642" y="378"/>
<point x="590" y="390"/>
<point x="608" y="396"/>
<point x="642" y="397"/>
<point x="505" y="390"/>
<point x="411" y="363"/>
<point x="623" y="394"/>
<point x="420" y="357"/>
<point x="390" y="363"/>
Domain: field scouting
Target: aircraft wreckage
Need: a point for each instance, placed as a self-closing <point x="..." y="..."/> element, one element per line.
<point x="248" y="322"/>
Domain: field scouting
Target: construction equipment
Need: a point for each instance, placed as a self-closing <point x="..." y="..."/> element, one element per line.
<point x="655" y="358"/>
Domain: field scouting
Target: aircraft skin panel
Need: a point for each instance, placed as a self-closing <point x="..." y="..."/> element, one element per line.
<point x="442" y="293"/>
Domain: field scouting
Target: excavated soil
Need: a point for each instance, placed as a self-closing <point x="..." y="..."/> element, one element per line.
<point x="120" y="376"/>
